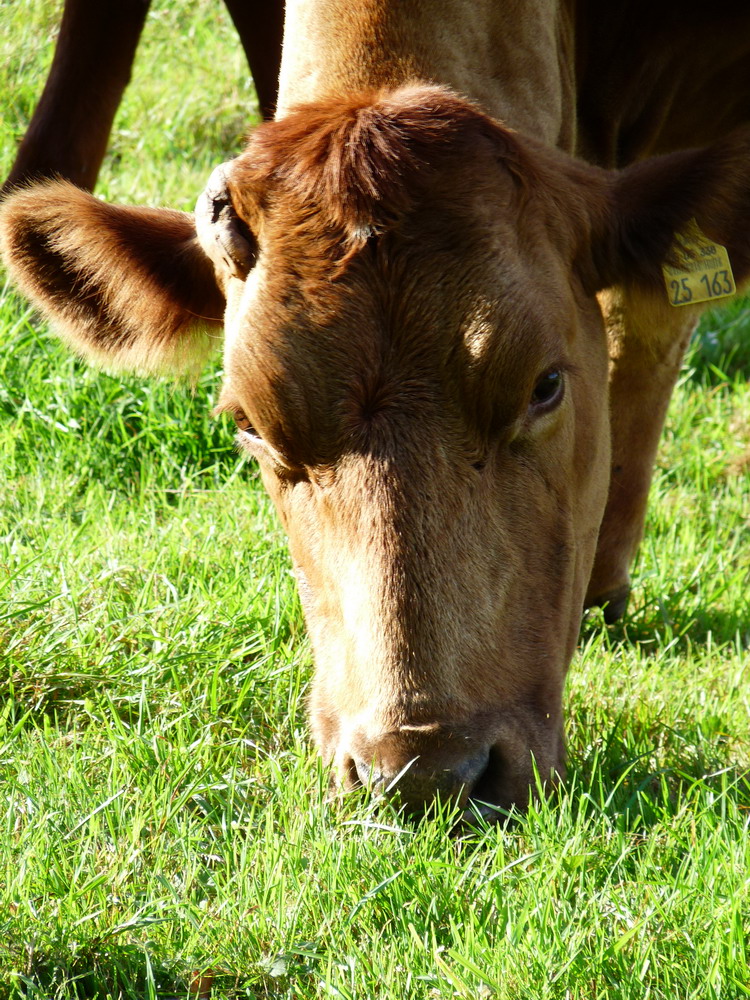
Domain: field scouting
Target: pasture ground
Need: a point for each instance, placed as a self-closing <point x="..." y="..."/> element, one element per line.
<point x="165" y="829"/>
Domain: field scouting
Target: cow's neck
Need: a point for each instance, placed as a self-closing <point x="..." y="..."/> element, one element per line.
<point x="509" y="57"/>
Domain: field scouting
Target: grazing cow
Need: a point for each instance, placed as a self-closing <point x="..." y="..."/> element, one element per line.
<point x="68" y="133"/>
<point x="414" y="348"/>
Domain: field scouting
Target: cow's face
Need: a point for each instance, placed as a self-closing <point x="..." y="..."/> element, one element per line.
<point x="430" y="419"/>
<point x="437" y="449"/>
<point x="415" y="355"/>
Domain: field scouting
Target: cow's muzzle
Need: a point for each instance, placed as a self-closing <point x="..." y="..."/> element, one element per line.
<point x="489" y="775"/>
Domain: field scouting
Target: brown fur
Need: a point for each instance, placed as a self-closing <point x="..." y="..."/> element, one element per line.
<point x="612" y="82"/>
<point x="127" y="287"/>
<point x="360" y="161"/>
<point x="655" y="199"/>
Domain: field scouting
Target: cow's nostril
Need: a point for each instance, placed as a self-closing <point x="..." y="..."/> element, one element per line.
<point x="368" y="774"/>
<point x="348" y="773"/>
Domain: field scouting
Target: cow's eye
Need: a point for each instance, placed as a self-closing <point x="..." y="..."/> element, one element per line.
<point x="243" y="423"/>
<point x="548" y="391"/>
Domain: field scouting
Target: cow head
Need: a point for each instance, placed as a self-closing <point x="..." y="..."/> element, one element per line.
<point x="415" y="355"/>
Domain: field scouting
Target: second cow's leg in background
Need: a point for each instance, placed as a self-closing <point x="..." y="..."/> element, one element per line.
<point x="94" y="55"/>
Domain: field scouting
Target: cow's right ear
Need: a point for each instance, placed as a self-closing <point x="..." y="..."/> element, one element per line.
<point x="128" y="288"/>
<point x="641" y="212"/>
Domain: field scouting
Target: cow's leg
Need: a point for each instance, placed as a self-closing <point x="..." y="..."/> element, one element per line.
<point x="91" y="67"/>
<point x="647" y="343"/>
<point x="260" y="25"/>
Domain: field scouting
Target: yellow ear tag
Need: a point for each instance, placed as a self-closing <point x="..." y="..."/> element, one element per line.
<point x="700" y="270"/>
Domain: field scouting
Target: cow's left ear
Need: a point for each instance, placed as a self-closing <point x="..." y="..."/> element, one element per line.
<point x="645" y="207"/>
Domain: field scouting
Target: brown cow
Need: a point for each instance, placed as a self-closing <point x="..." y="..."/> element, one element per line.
<point x="414" y="349"/>
<point x="68" y="133"/>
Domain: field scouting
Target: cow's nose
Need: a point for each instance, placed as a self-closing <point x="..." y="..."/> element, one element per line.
<point x="416" y="765"/>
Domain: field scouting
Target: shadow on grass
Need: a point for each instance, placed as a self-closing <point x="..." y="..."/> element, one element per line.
<point x="662" y="626"/>
<point x="641" y="773"/>
<point x="642" y="770"/>
<point x="720" y="350"/>
<point x="102" y="968"/>
<point x="99" y="968"/>
<point x="636" y="797"/>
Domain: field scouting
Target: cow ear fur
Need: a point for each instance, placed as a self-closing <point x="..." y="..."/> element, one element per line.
<point x="127" y="288"/>
<point x="651" y="202"/>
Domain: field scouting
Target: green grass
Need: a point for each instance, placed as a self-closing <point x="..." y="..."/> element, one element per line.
<point x="166" y="827"/>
